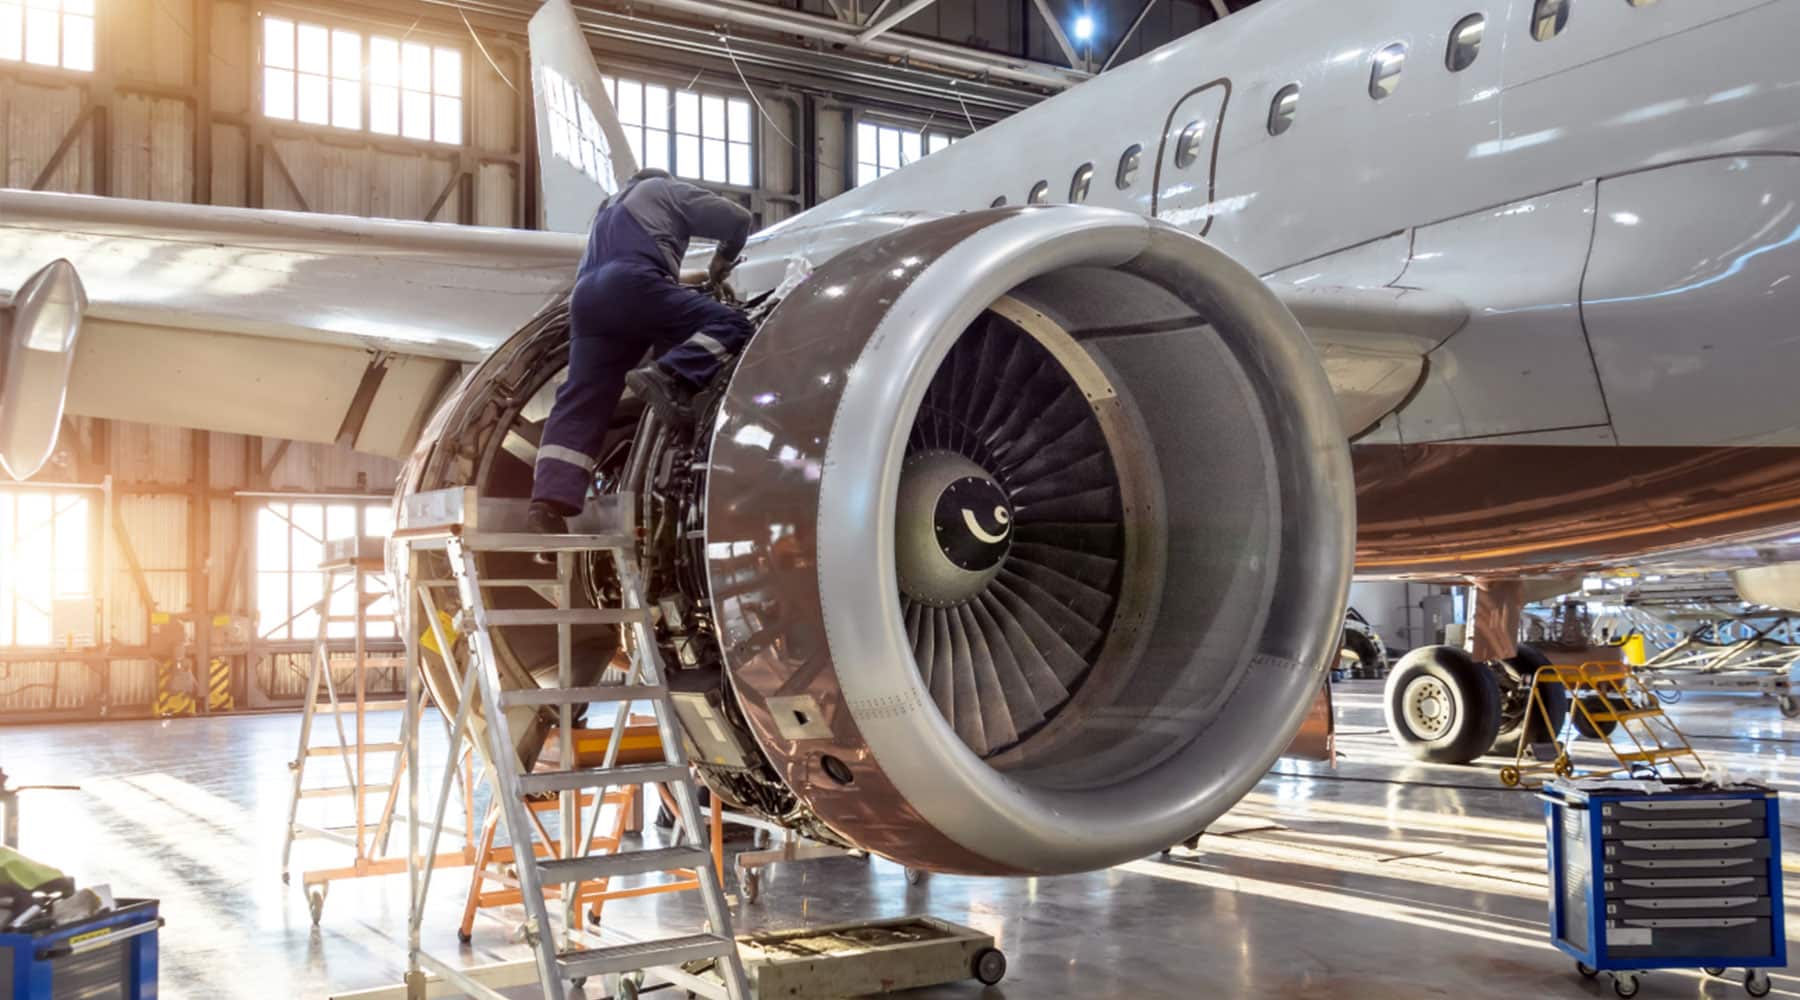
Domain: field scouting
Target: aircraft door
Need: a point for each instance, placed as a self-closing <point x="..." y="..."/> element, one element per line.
<point x="1187" y="159"/>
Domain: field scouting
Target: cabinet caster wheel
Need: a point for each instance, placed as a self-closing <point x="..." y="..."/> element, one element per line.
<point x="1756" y="983"/>
<point x="315" y="902"/>
<point x="914" y="876"/>
<point x="1509" y="776"/>
<point x="464" y="936"/>
<point x="1625" y="986"/>
<point x="1713" y="970"/>
<point x="989" y="966"/>
<point x="1789" y="705"/>
<point x="1586" y="970"/>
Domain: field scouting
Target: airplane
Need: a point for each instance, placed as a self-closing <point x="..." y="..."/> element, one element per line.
<point x="1019" y="536"/>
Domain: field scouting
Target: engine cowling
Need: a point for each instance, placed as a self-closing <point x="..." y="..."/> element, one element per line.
<point x="1029" y="533"/>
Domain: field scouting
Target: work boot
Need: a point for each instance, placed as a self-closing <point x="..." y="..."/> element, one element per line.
<point x="545" y="519"/>
<point x="668" y="395"/>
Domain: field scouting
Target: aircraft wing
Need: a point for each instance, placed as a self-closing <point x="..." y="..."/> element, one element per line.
<point x="274" y="323"/>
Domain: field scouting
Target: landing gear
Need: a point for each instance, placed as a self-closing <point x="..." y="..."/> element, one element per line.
<point x="1442" y="706"/>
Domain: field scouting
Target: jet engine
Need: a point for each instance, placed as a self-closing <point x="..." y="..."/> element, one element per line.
<point x="1016" y="542"/>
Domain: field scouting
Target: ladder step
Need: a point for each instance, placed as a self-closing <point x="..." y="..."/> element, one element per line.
<point x="325" y="793"/>
<point x="643" y="955"/>
<point x="573" y="616"/>
<point x="334" y="750"/>
<point x="481" y="541"/>
<point x="596" y="777"/>
<point x="597" y="866"/>
<point x="610" y="693"/>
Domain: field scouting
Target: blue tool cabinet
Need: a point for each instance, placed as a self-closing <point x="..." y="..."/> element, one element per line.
<point x="112" y="956"/>
<point x="1648" y="875"/>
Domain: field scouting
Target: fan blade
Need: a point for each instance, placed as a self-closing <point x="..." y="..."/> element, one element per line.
<point x="1096" y="505"/>
<point x="1063" y="658"/>
<point x="1079" y="457"/>
<point x="1046" y="687"/>
<point x="1080" y="634"/>
<point x="968" y="719"/>
<point x="1021" y="704"/>
<point x="1024" y="358"/>
<point x="1093" y="605"/>
<point x="943" y="670"/>
<point x="991" y="353"/>
<point x="1095" y="571"/>
<point x="924" y="645"/>
<point x="996" y="715"/>
<point x="1099" y="538"/>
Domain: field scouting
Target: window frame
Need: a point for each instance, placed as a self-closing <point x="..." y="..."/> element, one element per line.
<point x="1039" y="193"/>
<point x="367" y="31"/>
<point x="1455" y="44"/>
<point x="1131" y="159"/>
<point x="1188" y="144"/>
<point x="285" y="631"/>
<point x="61" y="17"/>
<point x="1081" y="184"/>
<point x="81" y="506"/>
<point x="1291" y="93"/>
<point x="928" y="138"/>
<point x="1386" y="66"/>
<point x="1559" y="15"/>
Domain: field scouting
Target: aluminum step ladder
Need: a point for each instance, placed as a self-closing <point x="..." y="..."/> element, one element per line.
<point x="456" y="526"/>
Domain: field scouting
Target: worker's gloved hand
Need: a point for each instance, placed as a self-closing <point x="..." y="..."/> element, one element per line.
<point x="720" y="269"/>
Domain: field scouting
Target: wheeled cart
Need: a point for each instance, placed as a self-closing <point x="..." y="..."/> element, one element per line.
<point x="110" y="955"/>
<point x="1660" y="875"/>
<point x="871" y="956"/>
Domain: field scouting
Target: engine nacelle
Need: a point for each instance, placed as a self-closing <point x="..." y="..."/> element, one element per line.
<point x="1029" y="534"/>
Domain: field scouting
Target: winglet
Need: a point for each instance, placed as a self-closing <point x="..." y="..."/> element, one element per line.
<point x="583" y="155"/>
<point x="37" y="352"/>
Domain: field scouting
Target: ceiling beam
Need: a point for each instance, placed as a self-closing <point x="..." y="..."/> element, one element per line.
<point x="881" y="25"/>
<point x="994" y="65"/>
<point x="1057" y="32"/>
<point x="1220" y="9"/>
<point x="1125" y="39"/>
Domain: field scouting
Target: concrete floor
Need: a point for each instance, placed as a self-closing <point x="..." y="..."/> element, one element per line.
<point x="1383" y="879"/>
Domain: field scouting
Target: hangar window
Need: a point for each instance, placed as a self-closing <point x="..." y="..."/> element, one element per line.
<point x="290" y="545"/>
<point x="317" y="75"/>
<point x="883" y="149"/>
<point x="46" y="587"/>
<point x="575" y="134"/>
<point x="57" y="33"/>
<point x="1128" y="166"/>
<point x="1281" y="110"/>
<point x="690" y="133"/>
<point x="1549" y="19"/>
<point x="1384" y="77"/>
<point x="1187" y="147"/>
<point x="1040" y="193"/>
<point x="1080" y="183"/>
<point x="1465" y="43"/>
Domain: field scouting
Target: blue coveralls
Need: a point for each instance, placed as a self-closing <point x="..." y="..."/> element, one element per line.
<point x="626" y="301"/>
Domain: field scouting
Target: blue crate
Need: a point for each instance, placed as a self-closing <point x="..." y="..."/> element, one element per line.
<point x="115" y="950"/>
<point x="1632" y="875"/>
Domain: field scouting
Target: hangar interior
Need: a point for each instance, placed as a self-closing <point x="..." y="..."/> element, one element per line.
<point x="166" y="588"/>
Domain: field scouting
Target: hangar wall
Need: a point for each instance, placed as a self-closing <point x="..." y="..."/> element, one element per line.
<point x="171" y="111"/>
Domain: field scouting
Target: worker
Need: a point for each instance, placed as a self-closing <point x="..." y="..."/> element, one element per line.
<point x="628" y="299"/>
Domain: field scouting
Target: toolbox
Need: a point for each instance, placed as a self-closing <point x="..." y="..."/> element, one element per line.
<point x="1649" y="874"/>
<point x="109" y="957"/>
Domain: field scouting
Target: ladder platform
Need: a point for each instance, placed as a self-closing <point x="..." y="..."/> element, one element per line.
<point x="601" y="777"/>
<point x="604" y="694"/>
<point x="644" y="954"/>
<point x="641" y="862"/>
<point x="461" y="510"/>
<point x="334" y="750"/>
<point x="572" y="616"/>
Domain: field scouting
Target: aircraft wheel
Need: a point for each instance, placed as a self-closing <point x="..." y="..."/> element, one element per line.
<point x="1442" y="706"/>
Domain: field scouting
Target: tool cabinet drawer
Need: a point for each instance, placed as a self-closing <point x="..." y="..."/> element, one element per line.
<point x="1684" y="866"/>
<point x="1681" y="807"/>
<point x="1680" y="848"/>
<point x="1664" y="829"/>
<point x="1687" y="906"/>
<point x="1710" y="938"/>
<point x="1677" y="887"/>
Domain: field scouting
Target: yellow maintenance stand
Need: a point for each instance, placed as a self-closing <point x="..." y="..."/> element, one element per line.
<point x="1609" y="701"/>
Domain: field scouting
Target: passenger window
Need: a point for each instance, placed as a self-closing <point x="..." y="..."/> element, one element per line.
<point x="1078" y="187"/>
<point x="1549" y="19"/>
<point x="1128" y="166"/>
<point x="999" y="202"/>
<point x="1465" y="43"/>
<point x="1640" y="3"/>
<point x="1187" y="148"/>
<point x="1281" y="110"/>
<point x="1386" y="74"/>
<point x="1040" y="193"/>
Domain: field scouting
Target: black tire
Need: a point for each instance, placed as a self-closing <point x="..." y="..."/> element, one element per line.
<point x="1587" y="971"/>
<point x="1755" y="985"/>
<point x="1625" y="987"/>
<point x="1444" y="685"/>
<point x="989" y="966"/>
<point x="1522" y="666"/>
<point x="1713" y="970"/>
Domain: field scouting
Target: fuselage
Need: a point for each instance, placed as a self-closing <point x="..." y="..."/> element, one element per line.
<point x="1614" y="197"/>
